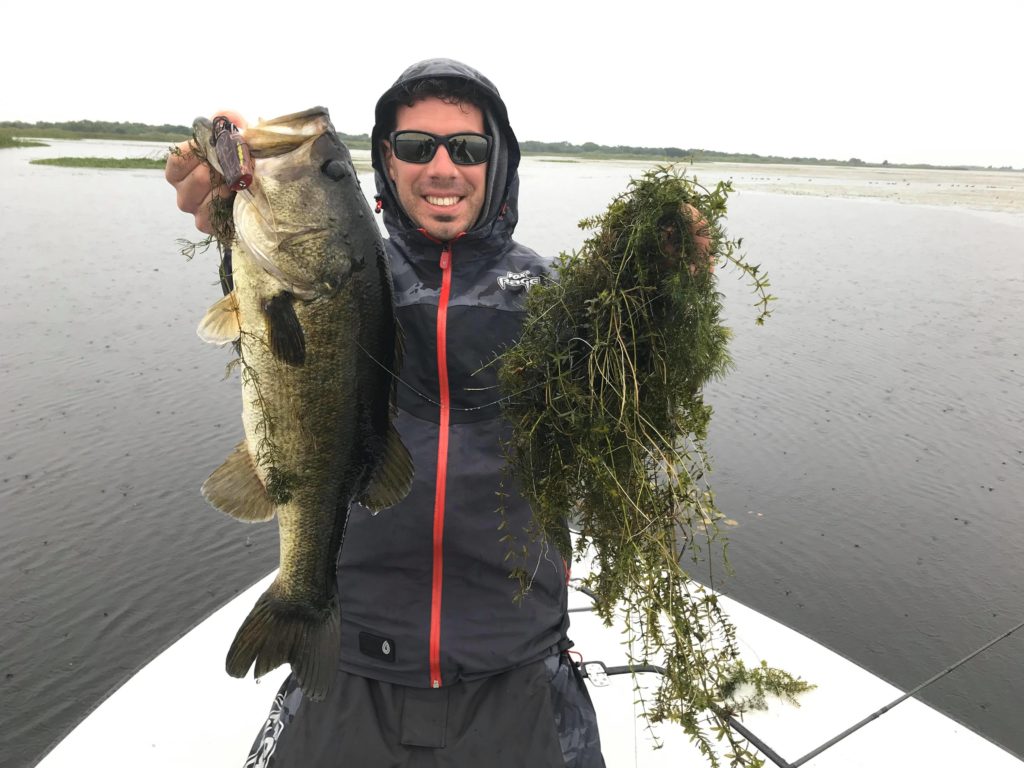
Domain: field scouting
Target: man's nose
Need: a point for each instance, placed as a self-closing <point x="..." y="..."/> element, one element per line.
<point x="441" y="163"/>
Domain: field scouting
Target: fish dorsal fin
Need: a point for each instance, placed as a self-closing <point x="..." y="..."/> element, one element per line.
<point x="235" y="488"/>
<point x="392" y="477"/>
<point x="220" y="324"/>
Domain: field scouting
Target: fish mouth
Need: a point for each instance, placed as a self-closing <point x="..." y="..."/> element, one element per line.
<point x="272" y="138"/>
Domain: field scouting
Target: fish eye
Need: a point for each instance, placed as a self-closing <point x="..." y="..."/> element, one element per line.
<point x="334" y="169"/>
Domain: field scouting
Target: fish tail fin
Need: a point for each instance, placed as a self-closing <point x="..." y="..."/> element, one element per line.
<point x="280" y="631"/>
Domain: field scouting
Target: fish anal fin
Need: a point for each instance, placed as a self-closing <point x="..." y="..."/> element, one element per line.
<point x="279" y="631"/>
<point x="287" y="339"/>
<point x="220" y="324"/>
<point x="391" y="478"/>
<point x="236" y="489"/>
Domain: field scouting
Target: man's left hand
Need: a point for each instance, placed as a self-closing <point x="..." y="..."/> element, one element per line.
<point x="701" y="239"/>
<point x="673" y="246"/>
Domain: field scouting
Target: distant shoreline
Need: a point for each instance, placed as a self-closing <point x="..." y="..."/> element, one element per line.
<point x="173" y="134"/>
<point x="978" y="190"/>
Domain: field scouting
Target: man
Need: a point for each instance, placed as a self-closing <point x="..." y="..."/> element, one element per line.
<point x="440" y="666"/>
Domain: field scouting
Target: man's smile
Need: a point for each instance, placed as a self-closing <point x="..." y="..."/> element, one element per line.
<point x="443" y="202"/>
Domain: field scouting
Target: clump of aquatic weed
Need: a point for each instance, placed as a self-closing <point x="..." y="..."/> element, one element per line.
<point x="604" y="392"/>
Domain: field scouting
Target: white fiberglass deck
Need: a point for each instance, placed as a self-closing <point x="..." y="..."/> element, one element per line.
<point x="154" y="719"/>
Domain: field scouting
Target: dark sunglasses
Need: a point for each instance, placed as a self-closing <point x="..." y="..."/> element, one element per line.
<point x="420" y="147"/>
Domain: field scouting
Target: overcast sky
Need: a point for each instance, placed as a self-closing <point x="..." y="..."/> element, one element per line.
<point x="901" y="80"/>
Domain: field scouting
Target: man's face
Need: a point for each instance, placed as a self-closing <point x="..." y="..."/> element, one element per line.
<point x="440" y="196"/>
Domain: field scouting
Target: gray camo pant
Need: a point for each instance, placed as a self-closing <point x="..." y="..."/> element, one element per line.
<point x="538" y="716"/>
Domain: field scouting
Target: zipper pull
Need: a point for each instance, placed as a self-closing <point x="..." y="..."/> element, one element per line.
<point x="446" y="256"/>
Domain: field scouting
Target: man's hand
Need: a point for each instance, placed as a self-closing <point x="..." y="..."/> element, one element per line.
<point x="701" y="238"/>
<point x="673" y="243"/>
<point x="190" y="178"/>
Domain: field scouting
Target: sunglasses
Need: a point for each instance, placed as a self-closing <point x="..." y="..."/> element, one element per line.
<point x="420" y="147"/>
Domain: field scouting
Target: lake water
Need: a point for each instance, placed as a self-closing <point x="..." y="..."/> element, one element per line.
<point x="870" y="441"/>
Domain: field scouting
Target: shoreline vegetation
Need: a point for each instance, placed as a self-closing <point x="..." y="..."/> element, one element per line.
<point x="15" y="133"/>
<point x="157" y="163"/>
<point x="7" y="141"/>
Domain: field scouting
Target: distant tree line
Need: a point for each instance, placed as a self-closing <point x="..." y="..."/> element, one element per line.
<point x="355" y="140"/>
<point x="99" y="129"/>
<point x="589" y="147"/>
<point x="100" y="126"/>
<point x="96" y="129"/>
<point x="670" y="153"/>
<point x="694" y="155"/>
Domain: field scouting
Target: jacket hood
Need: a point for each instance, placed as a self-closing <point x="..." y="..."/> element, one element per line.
<point x="500" y="211"/>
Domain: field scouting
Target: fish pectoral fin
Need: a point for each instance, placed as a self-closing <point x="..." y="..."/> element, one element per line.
<point x="236" y="489"/>
<point x="287" y="339"/>
<point x="220" y="324"/>
<point x="391" y="478"/>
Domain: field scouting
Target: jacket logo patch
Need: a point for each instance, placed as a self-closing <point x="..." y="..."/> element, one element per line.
<point x="378" y="647"/>
<point x="516" y="281"/>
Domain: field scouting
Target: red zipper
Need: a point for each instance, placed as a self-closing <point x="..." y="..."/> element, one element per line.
<point x="442" y="465"/>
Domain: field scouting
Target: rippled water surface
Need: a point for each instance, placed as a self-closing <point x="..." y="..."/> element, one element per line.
<point x="870" y="441"/>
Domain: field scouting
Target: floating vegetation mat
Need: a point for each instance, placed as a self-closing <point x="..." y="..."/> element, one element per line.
<point x="604" y="392"/>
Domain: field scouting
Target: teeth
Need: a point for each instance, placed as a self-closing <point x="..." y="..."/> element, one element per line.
<point x="441" y="200"/>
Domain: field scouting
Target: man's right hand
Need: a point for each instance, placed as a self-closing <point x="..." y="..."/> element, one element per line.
<point x="190" y="178"/>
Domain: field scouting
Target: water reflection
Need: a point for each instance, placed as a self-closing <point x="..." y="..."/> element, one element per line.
<point x="869" y="441"/>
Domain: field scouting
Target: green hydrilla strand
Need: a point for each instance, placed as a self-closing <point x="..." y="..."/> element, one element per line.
<point x="604" y="392"/>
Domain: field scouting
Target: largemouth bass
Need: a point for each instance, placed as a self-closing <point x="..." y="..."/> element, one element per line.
<point x="311" y="312"/>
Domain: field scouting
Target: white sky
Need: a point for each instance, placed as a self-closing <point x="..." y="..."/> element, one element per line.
<point x="901" y="80"/>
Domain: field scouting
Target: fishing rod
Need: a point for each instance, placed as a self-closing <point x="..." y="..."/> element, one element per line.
<point x="875" y="715"/>
<point x="598" y="673"/>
